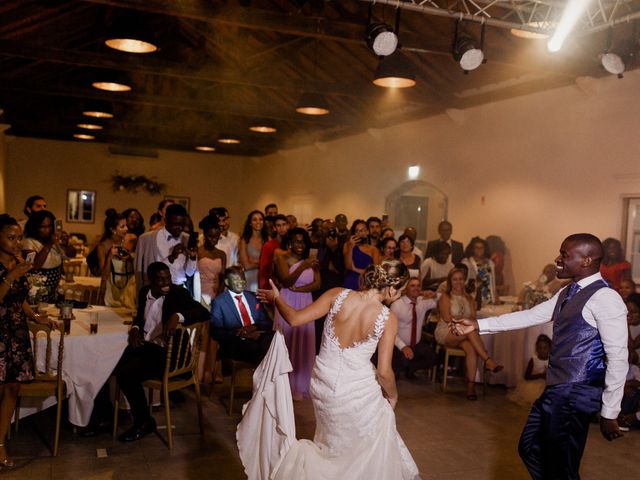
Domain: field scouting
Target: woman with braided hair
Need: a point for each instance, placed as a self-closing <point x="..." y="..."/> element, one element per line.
<point x="356" y="434"/>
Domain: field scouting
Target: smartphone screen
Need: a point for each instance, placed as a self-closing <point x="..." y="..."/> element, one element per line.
<point x="58" y="225"/>
<point x="313" y="253"/>
<point x="30" y="257"/>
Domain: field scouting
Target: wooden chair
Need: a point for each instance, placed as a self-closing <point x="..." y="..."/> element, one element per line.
<point x="46" y="383"/>
<point x="83" y="293"/>
<point x="181" y="370"/>
<point x="76" y="267"/>
<point x="237" y="365"/>
<point x="452" y="352"/>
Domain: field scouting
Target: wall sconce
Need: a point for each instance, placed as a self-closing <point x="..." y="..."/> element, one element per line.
<point x="413" y="172"/>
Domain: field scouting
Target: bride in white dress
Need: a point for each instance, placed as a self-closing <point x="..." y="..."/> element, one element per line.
<point x="356" y="436"/>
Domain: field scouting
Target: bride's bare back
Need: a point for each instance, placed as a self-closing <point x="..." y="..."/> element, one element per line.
<point x="355" y="321"/>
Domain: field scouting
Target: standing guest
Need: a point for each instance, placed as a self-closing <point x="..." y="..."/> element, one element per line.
<point x="211" y="260"/>
<point x="158" y="219"/>
<point x="135" y="228"/>
<point x="456" y="304"/>
<point x="374" y="225"/>
<point x="265" y="271"/>
<point x="117" y="285"/>
<point x="388" y="248"/>
<point x="434" y="270"/>
<point x="238" y="321"/>
<point x="34" y="203"/>
<point x="412" y="233"/>
<point x="408" y="256"/>
<point x="387" y="233"/>
<point x="228" y="242"/>
<point x="42" y="239"/>
<point x="358" y="254"/>
<point x="15" y="344"/>
<point x="168" y="245"/>
<point x="614" y="268"/>
<point x="316" y="233"/>
<point x="411" y="352"/>
<point x="299" y="276"/>
<point x="271" y="210"/>
<point x="627" y="291"/>
<point x="481" y="269"/>
<point x="444" y="230"/>
<point x="292" y="221"/>
<point x="254" y="236"/>
<point x="497" y="253"/>
<point x="162" y="306"/>
<point x="587" y="365"/>
<point x="342" y="227"/>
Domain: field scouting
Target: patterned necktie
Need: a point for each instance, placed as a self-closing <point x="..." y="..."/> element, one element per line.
<point x="571" y="291"/>
<point x="414" y="325"/>
<point x="246" y="319"/>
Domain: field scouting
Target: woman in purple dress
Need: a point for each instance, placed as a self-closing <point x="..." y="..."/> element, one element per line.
<point x="358" y="254"/>
<point x="299" y="276"/>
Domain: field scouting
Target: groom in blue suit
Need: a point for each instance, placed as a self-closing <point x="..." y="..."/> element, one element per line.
<point x="239" y="322"/>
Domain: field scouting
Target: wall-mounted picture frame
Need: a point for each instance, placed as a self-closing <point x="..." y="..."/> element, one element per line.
<point x="184" y="201"/>
<point x="81" y="206"/>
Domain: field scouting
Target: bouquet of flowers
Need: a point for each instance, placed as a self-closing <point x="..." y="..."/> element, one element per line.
<point x="37" y="287"/>
<point x="535" y="293"/>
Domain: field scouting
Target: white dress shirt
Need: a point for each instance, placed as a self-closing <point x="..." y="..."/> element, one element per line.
<point x="606" y="311"/>
<point x="403" y="310"/>
<point x="437" y="270"/>
<point x="182" y="267"/>
<point x="229" y="244"/>
<point x="153" y="319"/>
<point x="246" y="305"/>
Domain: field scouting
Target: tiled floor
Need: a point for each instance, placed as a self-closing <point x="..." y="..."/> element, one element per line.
<point x="449" y="437"/>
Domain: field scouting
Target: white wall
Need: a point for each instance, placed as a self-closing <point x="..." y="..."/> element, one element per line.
<point x="48" y="168"/>
<point x="531" y="169"/>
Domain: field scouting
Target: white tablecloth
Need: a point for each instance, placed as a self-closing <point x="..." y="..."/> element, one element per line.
<point x="88" y="360"/>
<point x="513" y="349"/>
<point x="79" y="280"/>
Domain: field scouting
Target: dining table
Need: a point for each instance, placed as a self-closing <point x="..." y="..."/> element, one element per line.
<point x="512" y="348"/>
<point x="88" y="359"/>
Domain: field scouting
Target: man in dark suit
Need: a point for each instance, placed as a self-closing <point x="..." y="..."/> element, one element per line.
<point x="161" y="307"/>
<point x="444" y="230"/>
<point x="239" y="322"/>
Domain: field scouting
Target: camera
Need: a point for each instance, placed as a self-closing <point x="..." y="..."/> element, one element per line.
<point x="333" y="233"/>
<point x="122" y="252"/>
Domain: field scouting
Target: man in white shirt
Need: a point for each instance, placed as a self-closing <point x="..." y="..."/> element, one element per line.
<point x="228" y="242"/>
<point x="168" y="245"/>
<point x="587" y="365"/>
<point x="411" y="353"/>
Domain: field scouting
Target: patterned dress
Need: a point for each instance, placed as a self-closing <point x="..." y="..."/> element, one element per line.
<point x="15" y="346"/>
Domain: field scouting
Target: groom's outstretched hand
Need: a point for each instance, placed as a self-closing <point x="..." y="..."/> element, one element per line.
<point x="609" y="428"/>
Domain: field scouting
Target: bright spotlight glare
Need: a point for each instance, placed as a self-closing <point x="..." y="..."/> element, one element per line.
<point x="414" y="171"/>
<point x="570" y="16"/>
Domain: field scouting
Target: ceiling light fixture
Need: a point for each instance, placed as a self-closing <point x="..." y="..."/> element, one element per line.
<point x="263" y="129"/>
<point x="570" y="17"/>
<point x="131" y="45"/>
<point x="97" y="114"/>
<point x="205" y="148"/>
<point x="312" y="104"/>
<point x="228" y="139"/>
<point x="90" y="126"/>
<point x="83" y="136"/>
<point x="97" y="109"/>
<point x="381" y="38"/>
<point x="466" y="51"/>
<point x="394" y="72"/>
<point x="111" y="86"/>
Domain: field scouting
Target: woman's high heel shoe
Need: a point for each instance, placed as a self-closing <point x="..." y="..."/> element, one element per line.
<point x="6" y="462"/>
<point x="495" y="369"/>
<point x="471" y="391"/>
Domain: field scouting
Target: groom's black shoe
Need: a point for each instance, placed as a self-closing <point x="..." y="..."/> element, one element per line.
<point x="137" y="432"/>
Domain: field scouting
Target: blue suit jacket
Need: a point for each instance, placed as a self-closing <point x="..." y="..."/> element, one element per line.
<point x="225" y="320"/>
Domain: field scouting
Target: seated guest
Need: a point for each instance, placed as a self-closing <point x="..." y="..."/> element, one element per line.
<point x="455" y="303"/>
<point x="630" y="407"/>
<point x="388" y="248"/>
<point x="161" y="307"/>
<point x="434" y="270"/>
<point x="265" y="271"/>
<point x="412" y="260"/>
<point x="457" y="250"/>
<point x="633" y="322"/>
<point x="239" y="323"/>
<point x="628" y="292"/>
<point x="168" y="245"/>
<point x="481" y="269"/>
<point x="614" y="268"/>
<point x="411" y="353"/>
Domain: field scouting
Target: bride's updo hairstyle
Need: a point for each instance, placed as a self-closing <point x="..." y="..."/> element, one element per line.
<point x="390" y="273"/>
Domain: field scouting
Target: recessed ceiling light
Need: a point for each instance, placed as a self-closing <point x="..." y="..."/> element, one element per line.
<point x="97" y="114"/>
<point x="312" y="104"/>
<point x="131" y="45"/>
<point x="205" y="148"/>
<point x="83" y="136"/>
<point x="90" y="126"/>
<point x="263" y="129"/>
<point x="111" y="86"/>
<point x="229" y="140"/>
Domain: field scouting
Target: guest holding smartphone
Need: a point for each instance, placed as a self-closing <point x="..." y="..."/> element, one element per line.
<point x="358" y="254"/>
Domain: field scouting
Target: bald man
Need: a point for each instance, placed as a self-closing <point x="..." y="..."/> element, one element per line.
<point x="587" y="365"/>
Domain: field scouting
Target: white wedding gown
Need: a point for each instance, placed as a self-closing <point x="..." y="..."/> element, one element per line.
<point x="356" y="436"/>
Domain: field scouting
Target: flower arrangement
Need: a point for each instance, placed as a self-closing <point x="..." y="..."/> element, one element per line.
<point x="535" y="293"/>
<point x="132" y="183"/>
<point x="37" y="287"/>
